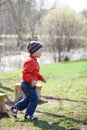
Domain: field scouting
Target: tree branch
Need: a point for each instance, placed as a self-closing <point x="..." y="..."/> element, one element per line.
<point x="2" y="3"/>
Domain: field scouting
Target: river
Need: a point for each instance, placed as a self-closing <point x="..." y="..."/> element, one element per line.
<point x="11" y="62"/>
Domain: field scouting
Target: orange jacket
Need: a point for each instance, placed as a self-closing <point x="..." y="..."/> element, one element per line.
<point x="31" y="70"/>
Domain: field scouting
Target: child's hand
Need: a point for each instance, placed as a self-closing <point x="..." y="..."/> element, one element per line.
<point x="44" y="80"/>
<point x="33" y="83"/>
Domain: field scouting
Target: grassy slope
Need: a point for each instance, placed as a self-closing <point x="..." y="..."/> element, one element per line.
<point x="65" y="91"/>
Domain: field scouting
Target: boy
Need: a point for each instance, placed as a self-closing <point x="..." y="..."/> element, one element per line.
<point x="30" y="76"/>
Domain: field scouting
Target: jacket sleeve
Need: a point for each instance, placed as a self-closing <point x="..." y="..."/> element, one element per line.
<point x="40" y="77"/>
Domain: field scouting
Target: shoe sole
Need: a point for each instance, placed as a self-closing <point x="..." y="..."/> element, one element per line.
<point x="26" y="120"/>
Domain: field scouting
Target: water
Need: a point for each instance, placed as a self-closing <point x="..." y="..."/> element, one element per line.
<point x="12" y="62"/>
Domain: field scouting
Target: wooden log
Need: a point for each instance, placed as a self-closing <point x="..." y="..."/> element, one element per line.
<point x="19" y="93"/>
<point x="2" y="103"/>
<point x="38" y="88"/>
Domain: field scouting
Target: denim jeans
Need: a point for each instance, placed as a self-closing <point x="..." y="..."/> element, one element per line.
<point x="30" y="100"/>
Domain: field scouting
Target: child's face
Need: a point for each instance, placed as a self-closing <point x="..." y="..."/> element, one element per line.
<point x="38" y="53"/>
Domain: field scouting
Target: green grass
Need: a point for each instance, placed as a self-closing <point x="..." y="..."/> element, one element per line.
<point x="64" y="103"/>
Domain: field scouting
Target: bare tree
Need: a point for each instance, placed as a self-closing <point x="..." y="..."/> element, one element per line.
<point x="63" y="30"/>
<point x="35" y="18"/>
<point x="3" y="10"/>
<point x="2" y="3"/>
<point x="21" y="12"/>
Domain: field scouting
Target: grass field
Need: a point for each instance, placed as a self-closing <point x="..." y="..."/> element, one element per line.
<point x="63" y="104"/>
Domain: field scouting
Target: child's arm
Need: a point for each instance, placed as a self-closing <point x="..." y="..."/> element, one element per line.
<point x="40" y="77"/>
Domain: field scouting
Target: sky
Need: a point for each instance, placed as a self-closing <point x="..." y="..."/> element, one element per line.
<point x="77" y="5"/>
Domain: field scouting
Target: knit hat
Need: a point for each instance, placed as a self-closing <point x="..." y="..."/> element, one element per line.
<point x="33" y="46"/>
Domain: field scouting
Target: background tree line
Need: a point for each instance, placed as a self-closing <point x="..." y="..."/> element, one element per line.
<point x="61" y="30"/>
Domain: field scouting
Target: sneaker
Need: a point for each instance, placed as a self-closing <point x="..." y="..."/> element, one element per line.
<point x="29" y="118"/>
<point x="14" y="111"/>
<point x="33" y="117"/>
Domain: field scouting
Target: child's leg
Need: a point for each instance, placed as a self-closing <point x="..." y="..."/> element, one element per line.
<point x="33" y="102"/>
<point x="22" y="104"/>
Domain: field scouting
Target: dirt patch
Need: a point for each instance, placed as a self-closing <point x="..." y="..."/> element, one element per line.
<point x="19" y="128"/>
<point x="51" y="101"/>
<point x="83" y="127"/>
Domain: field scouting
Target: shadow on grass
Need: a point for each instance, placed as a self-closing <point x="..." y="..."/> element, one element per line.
<point x="60" y="99"/>
<point x="4" y="115"/>
<point x="5" y="90"/>
<point x="44" y="125"/>
<point x="60" y="118"/>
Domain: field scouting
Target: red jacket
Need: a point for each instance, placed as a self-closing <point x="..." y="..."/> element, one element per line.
<point x="31" y="70"/>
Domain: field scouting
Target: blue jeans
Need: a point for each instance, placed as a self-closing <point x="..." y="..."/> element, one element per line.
<point x="30" y="100"/>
